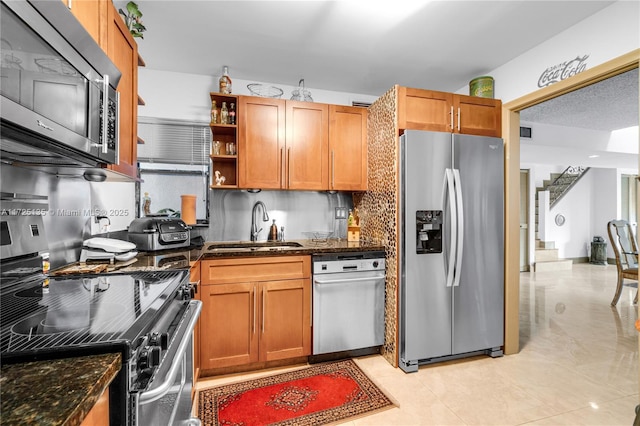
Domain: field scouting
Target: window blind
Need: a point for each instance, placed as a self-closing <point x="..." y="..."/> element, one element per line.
<point x="173" y="141"/>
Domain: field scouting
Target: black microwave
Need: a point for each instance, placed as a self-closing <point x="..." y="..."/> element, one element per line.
<point x="58" y="97"/>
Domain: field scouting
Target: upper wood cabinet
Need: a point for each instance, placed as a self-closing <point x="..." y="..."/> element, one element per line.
<point x="478" y="116"/>
<point x="307" y="146"/>
<point x="123" y="51"/>
<point x="92" y="14"/>
<point x="301" y="145"/>
<point x="102" y="20"/>
<point x="261" y="142"/>
<point x="283" y="144"/>
<point x="420" y="109"/>
<point x="347" y="148"/>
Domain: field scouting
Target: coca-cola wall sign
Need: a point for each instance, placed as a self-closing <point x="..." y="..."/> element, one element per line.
<point x="563" y="71"/>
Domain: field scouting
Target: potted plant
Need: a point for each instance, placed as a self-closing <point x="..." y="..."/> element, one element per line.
<point x="132" y="19"/>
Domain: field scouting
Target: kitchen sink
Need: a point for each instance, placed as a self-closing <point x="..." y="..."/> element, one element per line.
<point x="252" y="246"/>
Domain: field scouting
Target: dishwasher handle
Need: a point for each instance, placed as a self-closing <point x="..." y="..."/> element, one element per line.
<point x="348" y="280"/>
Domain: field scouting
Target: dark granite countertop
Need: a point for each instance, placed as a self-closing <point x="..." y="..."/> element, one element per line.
<point x="55" y="392"/>
<point x="149" y="261"/>
<point x="307" y="247"/>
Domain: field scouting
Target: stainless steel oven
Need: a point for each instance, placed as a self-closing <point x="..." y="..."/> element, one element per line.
<point x="58" y="93"/>
<point x="148" y="317"/>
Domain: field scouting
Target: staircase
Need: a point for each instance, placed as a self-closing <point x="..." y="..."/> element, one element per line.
<point x="546" y="255"/>
<point x="547" y="258"/>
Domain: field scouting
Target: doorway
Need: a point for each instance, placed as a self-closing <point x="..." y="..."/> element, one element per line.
<point x="629" y="199"/>
<point x="511" y="135"/>
<point x="524" y="221"/>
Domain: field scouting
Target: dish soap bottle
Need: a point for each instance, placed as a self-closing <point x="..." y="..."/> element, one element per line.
<point x="273" y="232"/>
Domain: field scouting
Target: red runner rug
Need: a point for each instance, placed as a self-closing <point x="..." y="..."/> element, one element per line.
<point x="315" y="395"/>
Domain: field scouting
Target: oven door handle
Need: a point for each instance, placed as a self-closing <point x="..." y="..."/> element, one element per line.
<point x="348" y="280"/>
<point x="162" y="389"/>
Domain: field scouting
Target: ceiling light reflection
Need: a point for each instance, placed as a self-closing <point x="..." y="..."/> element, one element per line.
<point x="381" y="11"/>
<point x="594" y="405"/>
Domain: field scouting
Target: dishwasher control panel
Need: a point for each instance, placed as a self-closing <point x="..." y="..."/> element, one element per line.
<point x="348" y="262"/>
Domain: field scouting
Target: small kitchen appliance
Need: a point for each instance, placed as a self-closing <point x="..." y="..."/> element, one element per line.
<point x="61" y="108"/>
<point x="107" y="249"/>
<point x="159" y="233"/>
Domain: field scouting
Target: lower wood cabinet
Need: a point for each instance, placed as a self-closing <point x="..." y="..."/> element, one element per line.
<point x="99" y="414"/>
<point x="254" y="310"/>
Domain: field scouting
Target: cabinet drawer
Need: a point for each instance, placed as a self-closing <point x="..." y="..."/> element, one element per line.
<point x="251" y="269"/>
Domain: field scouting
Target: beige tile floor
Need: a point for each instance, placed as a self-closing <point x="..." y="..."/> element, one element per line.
<point x="577" y="365"/>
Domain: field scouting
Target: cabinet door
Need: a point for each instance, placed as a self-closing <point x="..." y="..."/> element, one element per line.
<point x="261" y="142"/>
<point x="478" y="116"/>
<point x="347" y="148"/>
<point x="229" y="318"/>
<point x="425" y="110"/>
<point x="92" y="14"/>
<point x="307" y="146"/>
<point x="123" y="51"/>
<point x="285" y="319"/>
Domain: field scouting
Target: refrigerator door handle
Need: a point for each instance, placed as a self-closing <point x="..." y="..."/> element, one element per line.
<point x="454" y="226"/>
<point x="459" y="225"/>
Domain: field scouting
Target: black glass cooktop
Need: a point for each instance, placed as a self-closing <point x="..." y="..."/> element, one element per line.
<point x="59" y="312"/>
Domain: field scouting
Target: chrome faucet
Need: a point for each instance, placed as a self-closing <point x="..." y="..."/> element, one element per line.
<point x="265" y="218"/>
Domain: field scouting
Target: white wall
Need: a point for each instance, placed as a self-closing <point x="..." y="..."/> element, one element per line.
<point x="572" y="239"/>
<point x="605" y="202"/>
<point x="591" y="203"/>
<point x="612" y="32"/>
<point x="186" y="96"/>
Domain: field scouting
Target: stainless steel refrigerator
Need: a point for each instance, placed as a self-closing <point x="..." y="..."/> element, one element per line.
<point x="451" y="247"/>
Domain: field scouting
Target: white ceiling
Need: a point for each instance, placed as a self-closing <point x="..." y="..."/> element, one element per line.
<point x="350" y="46"/>
<point x="355" y="46"/>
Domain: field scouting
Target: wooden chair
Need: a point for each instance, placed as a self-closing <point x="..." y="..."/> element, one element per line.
<point x="625" y="248"/>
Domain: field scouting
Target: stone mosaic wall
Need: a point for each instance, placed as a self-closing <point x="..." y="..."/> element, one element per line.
<point x="378" y="206"/>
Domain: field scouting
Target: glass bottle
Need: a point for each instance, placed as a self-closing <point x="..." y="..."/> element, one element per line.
<point x="146" y="204"/>
<point x="232" y="113"/>
<point x="214" y="112"/>
<point x="225" y="81"/>
<point x="224" y="114"/>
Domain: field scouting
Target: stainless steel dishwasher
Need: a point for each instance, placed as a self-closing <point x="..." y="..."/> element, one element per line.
<point x="348" y="303"/>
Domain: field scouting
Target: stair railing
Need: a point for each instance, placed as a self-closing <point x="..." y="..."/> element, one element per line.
<point x="563" y="183"/>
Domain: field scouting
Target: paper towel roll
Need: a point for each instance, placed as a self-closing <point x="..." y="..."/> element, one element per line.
<point x="188" y="211"/>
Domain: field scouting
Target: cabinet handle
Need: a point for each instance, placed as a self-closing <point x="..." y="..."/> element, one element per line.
<point x="282" y="165"/>
<point x="69" y="4"/>
<point x="288" y="168"/>
<point x="451" y="115"/>
<point x="117" y="129"/>
<point x="264" y="297"/>
<point x="458" y="118"/>
<point x="333" y="169"/>
<point x="105" y="112"/>
<point x="255" y="314"/>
